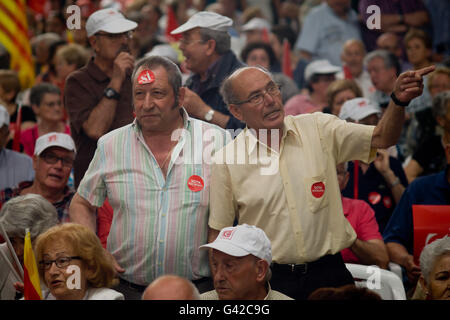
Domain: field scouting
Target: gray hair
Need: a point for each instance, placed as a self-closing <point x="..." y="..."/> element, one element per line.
<point x="173" y="72"/>
<point x="226" y="89"/>
<point x="431" y="253"/>
<point x="222" y="39"/>
<point x="440" y="103"/>
<point x="389" y="59"/>
<point x="29" y="211"/>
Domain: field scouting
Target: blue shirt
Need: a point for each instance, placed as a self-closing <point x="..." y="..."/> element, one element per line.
<point x="324" y="33"/>
<point x="15" y="167"/>
<point x="432" y="190"/>
<point x="373" y="189"/>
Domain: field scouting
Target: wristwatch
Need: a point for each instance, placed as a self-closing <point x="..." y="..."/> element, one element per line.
<point x="110" y="93"/>
<point x="209" y="115"/>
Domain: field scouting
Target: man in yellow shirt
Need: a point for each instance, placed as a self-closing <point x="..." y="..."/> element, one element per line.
<point x="279" y="174"/>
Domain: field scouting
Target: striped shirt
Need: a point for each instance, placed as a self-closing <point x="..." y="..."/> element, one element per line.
<point x="158" y="223"/>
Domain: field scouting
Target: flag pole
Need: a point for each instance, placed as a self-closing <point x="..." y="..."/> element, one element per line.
<point x="10" y="247"/>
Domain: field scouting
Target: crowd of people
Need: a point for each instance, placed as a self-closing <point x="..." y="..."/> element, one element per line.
<point x="226" y="149"/>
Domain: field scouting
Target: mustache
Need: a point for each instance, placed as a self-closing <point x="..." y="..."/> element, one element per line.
<point x="123" y="48"/>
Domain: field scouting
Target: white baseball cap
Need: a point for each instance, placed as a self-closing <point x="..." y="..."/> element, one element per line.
<point x="243" y="240"/>
<point x="358" y="108"/>
<point x="320" y="67"/>
<point x="256" y="24"/>
<point x="54" y="139"/>
<point x="4" y="116"/>
<point x="108" y="20"/>
<point x="205" y="19"/>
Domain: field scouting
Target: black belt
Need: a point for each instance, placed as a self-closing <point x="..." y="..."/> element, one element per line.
<point x="132" y="285"/>
<point x="328" y="260"/>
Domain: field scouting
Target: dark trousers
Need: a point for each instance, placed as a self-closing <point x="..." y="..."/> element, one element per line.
<point x="299" y="281"/>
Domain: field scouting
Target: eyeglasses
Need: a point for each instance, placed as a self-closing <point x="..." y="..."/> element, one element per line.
<point x="116" y="36"/>
<point x="60" y="262"/>
<point x="51" y="158"/>
<point x="272" y="89"/>
<point x="187" y="42"/>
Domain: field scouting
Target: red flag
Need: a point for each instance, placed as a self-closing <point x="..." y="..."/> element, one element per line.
<point x="347" y="73"/>
<point x="172" y="24"/>
<point x="17" y="133"/>
<point x="265" y="35"/>
<point x="287" y="66"/>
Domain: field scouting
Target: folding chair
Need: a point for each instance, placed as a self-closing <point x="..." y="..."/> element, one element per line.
<point x="386" y="283"/>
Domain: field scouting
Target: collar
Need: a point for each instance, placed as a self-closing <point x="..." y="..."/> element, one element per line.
<point x="95" y="72"/>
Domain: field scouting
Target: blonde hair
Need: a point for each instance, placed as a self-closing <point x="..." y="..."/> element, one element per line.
<point x="85" y="244"/>
<point x="340" y="85"/>
<point x="73" y="54"/>
<point x="432" y="75"/>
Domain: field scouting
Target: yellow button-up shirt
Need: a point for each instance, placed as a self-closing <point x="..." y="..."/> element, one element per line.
<point x="292" y="195"/>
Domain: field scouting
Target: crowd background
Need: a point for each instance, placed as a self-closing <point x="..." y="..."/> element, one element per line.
<point x="321" y="52"/>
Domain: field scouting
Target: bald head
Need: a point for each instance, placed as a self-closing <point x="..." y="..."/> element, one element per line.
<point x="171" y="287"/>
<point x="389" y="41"/>
<point x="352" y="56"/>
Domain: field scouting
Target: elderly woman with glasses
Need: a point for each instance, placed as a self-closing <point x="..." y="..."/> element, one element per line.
<point x="29" y="211"/>
<point x="435" y="267"/>
<point x="74" y="266"/>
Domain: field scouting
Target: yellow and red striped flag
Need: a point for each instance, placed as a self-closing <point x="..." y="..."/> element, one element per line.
<point x="14" y="37"/>
<point x="31" y="282"/>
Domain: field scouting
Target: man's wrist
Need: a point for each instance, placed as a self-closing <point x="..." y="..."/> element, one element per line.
<point x="398" y="102"/>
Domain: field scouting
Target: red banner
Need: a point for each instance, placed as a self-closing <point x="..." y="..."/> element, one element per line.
<point x="430" y="223"/>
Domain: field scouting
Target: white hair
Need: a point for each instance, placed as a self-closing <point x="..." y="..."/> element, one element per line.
<point x="431" y="253"/>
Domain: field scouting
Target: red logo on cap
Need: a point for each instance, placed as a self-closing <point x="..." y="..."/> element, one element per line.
<point x="318" y="189"/>
<point x="227" y="234"/>
<point x="146" y="76"/>
<point x="362" y="103"/>
<point x="52" y="138"/>
<point x="374" y="198"/>
<point x="195" y="183"/>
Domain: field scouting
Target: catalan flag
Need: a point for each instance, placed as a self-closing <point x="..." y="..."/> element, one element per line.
<point x="287" y="66"/>
<point x="32" y="286"/>
<point x="14" y="37"/>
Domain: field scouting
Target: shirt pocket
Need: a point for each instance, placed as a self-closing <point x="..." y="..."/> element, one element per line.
<point x="317" y="192"/>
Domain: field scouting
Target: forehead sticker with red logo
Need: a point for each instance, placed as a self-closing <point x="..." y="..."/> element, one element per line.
<point x="146" y="76"/>
<point x="318" y="189"/>
<point x="195" y="183"/>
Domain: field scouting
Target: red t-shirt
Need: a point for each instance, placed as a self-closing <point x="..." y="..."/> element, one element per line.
<point x="362" y="218"/>
<point x="28" y="138"/>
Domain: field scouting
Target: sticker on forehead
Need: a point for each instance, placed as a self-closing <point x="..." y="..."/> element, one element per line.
<point x="146" y="76"/>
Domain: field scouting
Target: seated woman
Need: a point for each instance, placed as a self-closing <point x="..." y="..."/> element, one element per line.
<point x="435" y="266"/>
<point x="340" y="91"/>
<point x="29" y="211"/>
<point x="73" y="245"/>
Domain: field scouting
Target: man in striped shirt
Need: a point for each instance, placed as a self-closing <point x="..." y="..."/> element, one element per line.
<point x="156" y="175"/>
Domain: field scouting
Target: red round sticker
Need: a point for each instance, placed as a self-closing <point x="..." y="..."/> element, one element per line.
<point x="146" y="76"/>
<point x="318" y="189"/>
<point x="387" y="201"/>
<point x="374" y="198"/>
<point x="195" y="183"/>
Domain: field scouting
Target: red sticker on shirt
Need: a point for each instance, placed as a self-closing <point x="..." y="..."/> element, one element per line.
<point x="387" y="201"/>
<point x="146" y="76"/>
<point x="374" y="198"/>
<point x="195" y="183"/>
<point x="318" y="189"/>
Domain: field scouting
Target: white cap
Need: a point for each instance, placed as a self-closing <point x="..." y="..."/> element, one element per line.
<point x="54" y="139"/>
<point x="4" y="116"/>
<point x="205" y="19"/>
<point x="320" y="67"/>
<point x="108" y="20"/>
<point x="256" y="24"/>
<point x="243" y="240"/>
<point x="358" y="108"/>
<point x="165" y="50"/>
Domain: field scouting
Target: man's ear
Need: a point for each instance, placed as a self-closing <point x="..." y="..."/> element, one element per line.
<point x="181" y="94"/>
<point x="93" y="42"/>
<point x="236" y="111"/>
<point x="211" y="48"/>
<point x="35" y="162"/>
<point x="262" y="267"/>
